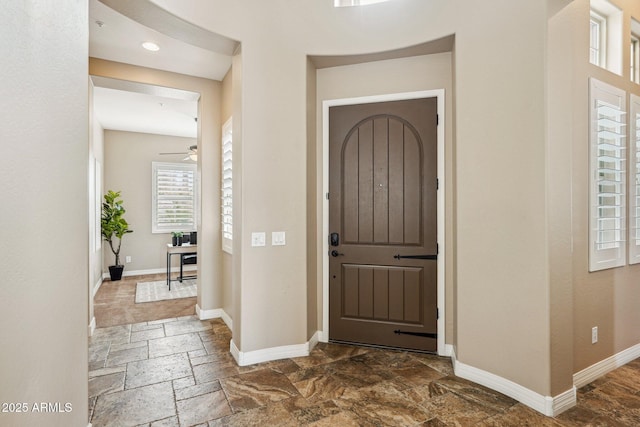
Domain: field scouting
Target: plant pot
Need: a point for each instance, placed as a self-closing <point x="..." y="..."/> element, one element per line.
<point x="115" y="271"/>
<point x="174" y="241"/>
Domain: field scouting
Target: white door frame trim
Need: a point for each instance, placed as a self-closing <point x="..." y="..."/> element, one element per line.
<point x="443" y="350"/>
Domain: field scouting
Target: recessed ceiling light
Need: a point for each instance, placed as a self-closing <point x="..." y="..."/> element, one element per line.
<point x="151" y="46"/>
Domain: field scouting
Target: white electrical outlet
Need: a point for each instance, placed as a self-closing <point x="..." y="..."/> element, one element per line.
<point x="259" y="239"/>
<point x="127" y="259"/>
<point x="594" y="335"/>
<point x="278" y="238"/>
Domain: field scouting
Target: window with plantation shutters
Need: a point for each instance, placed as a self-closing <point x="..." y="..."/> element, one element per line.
<point x="607" y="232"/>
<point x="227" y="187"/>
<point x="174" y="197"/>
<point x="634" y="181"/>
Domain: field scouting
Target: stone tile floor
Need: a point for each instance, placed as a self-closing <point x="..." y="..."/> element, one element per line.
<point x="179" y="372"/>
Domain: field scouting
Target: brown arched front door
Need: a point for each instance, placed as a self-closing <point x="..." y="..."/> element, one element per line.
<point x="382" y="219"/>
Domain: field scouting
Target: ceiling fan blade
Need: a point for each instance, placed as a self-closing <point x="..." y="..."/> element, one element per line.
<point x="193" y="151"/>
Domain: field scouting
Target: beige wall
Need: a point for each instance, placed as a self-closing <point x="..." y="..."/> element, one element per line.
<point x="227" y="259"/>
<point x="502" y="283"/>
<point x="226" y="106"/>
<point x="520" y="311"/>
<point x="209" y="247"/>
<point x="419" y="73"/>
<point x="559" y="158"/>
<point x="512" y="286"/>
<point x="127" y="168"/>
<point x="95" y="179"/>
<point x="608" y="299"/>
<point x="498" y="121"/>
<point x="314" y="208"/>
<point x="236" y="275"/>
<point x="43" y="170"/>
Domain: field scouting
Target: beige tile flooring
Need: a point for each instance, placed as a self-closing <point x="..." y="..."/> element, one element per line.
<point x="179" y="372"/>
<point x="114" y="304"/>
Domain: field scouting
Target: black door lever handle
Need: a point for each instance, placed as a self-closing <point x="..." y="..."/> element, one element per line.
<point x="335" y="253"/>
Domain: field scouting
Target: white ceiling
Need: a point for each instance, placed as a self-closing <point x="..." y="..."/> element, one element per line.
<point x="137" y="112"/>
<point x="119" y="38"/>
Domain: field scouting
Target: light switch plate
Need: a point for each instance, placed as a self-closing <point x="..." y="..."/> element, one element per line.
<point x="278" y="238"/>
<point x="258" y="239"/>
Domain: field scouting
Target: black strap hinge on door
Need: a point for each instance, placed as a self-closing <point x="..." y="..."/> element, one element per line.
<point x="415" y="256"/>
<point x="416" y="334"/>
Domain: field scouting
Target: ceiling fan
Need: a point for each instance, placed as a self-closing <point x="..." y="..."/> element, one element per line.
<point x="192" y="154"/>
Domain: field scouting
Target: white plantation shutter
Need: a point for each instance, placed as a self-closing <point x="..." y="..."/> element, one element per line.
<point x="607" y="232"/>
<point x="634" y="182"/>
<point x="174" y="197"/>
<point x="227" y="187"/>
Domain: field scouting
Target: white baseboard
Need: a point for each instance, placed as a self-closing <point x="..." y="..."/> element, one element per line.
<point x="92" y="326"/>
<point x="447" y="351"/>
<point x="313" y="341"/>
<point x="227" y="320"/>
<point x="216" y="313"/>
<point x="547" y="405"/>
<point x="564" y="401"/>
<point x="233" y="349"/>
<point x="454" y="360"/>
<point x="126" y="273"/>
<point x="97" y="285"/>
<point x="245" y="358"/>
<point x="605" y="366"/>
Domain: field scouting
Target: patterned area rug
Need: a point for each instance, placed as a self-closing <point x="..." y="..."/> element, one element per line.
<point x="158" y="291"/>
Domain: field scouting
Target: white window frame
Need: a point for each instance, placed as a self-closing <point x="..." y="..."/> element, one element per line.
<point x="634" y="179"/>
<point x="635" y="51"/>
<point x="610" y="47"/>
<point x="607" y="201"/>
<point x="164" y="227"/>
<point x="226" y="191"/>
<point x="635" y="58"/>
<point x="597" y="47"/>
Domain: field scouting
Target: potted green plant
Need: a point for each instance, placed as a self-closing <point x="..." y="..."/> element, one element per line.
<point x="176" y="238"/>
<point x="114" y="226"/>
